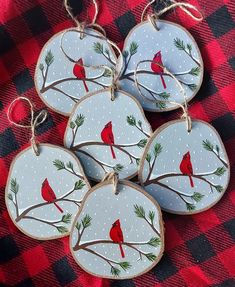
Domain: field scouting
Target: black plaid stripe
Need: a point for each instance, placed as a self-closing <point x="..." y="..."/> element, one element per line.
<point x="7" y="137"/>
<point x="63" y="271"/>
<point x="225" y="125"/>
<point x="8" y="249"/>
<point x="125" y="23"/>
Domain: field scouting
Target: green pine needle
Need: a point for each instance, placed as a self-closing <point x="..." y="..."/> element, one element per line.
<point x="72" y="125"/>
<point x="79" y="120"/>
<point x="49" y="59"/>
<point x="10" y="197"/>
<point x="189" y="47"/>
<point x="195" y="71"/>
<point x="41" y="67"/>
<point x="150" y="256"/>
<point x="179" y="44"/>
<point x="140" y="124"/>
<point x="142" y="143"/>
<point x="217" y="149"/>
<point x="219" y="188"/>
<point x="98" y="48"/>
<point x="69" y="165"/>
<point x="125" y="265"/>
<point x="192" y="87"/>
<point x="208" y="145"/>
<point x="86" y="221"/>
<point x="115" y="271"/>
<point x="106" y="51"/>
<point x="131" y="120"/>
<point x="151" y="216"/>
<point x="62" y="229"/>
<point x="148" y="157"/>
<point x="157" y="149"/>
<point x="118" y="167"/>
<point x="107" y="73"/>
<point x="79" y="185"/>
<point x="67" y="218"/>
<point x="125" y="54"/>
<point x="137" y="161"/>
<point x="133" y="48"/>
<point x="154" y="241"/>
<point x="220" y="171"/>
<point x="58" y="164"/>
<point x="190" y="206"/>
<point x="78" y="226"/>
<point x="160" y="105"/>
<point x="139" y="211"/>
<point x="164" y="95"/>
<point x="14" y="186"/>
<point x="197" y="196"/>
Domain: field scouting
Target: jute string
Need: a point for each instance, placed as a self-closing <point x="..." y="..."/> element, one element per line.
<point x="184" y="107"/>
<point x="83" y="25"/>
<point x="113" y="177"/>
<point x="186" y="7"/>
<point x="34" y="122"/>
<point x="114" y="73"/>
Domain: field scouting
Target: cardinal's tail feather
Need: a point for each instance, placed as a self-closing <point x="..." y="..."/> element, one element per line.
<point x="113" y="153"/>
<point x="85" y="85"/>
<point x="57" y="206"/>
<point x="191" y="181"/>
<point x="121" y="250"/>
<point x="163" y="82"/>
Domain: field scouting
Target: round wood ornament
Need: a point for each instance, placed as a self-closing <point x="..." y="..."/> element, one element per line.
<point x="171" y="46"/>
<point x="43" y="193"/>
<point x="63" y="76"/>
<point x="186" y="172"/>
<point x="108" y="135"/>
<point x="117" y="236"/>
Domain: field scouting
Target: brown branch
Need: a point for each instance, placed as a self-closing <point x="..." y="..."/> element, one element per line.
<point x="219" y="158"/>
<point x="73" y="172"/>
<point x="119" y="147"/>
<point x="67" y="95"/>
<point x="44" y="89"/>
<point x="109" y="261"/>
<point x="26" y="211"/>
<point x="52" y="223"/>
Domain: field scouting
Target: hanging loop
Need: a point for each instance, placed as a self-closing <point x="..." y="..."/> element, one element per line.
<point x="34" y="121"/>
<point x="114" y="178"/>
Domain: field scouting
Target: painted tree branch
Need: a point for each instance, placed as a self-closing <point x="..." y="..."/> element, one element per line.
<point x="216" y="151"/>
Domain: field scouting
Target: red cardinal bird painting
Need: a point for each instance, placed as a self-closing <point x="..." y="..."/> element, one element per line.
<point x="79" y="72"/>
<point x="186" y="167"/>
<point x="157" y="69"/>
<point x="116" y="235"/>
<point x="48" y="194"/>
<point x="107" y="137"/>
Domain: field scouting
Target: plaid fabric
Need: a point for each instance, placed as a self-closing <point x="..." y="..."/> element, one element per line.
<point x="200" y="249"/>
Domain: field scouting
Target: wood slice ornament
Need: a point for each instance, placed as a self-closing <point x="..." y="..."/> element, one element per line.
<point x="108" y="135"/>
<point x="118" y="232"/>
<point x="44" y="190"/>
<point x="62" y="75"/>
<point x="186" y="172"/>
<point x="169" y="45"/>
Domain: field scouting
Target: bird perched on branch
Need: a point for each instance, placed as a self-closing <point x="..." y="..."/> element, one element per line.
<point x="108" y="138"/>
<point x="117" y="236"/>
<point x="157" y="59"/>
<point x="80" y="73"/>
<point x="49" y="195"/>
<point x="186" y="167"/>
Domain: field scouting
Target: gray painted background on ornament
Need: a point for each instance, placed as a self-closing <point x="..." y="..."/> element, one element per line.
<point x="98" y="110"/>
<point x="30" y="171"/>
<point x="175" y="142"/>
<point x="62" y="68"/>
<point x="150" y="41"/>
<point x="105" y="208"/>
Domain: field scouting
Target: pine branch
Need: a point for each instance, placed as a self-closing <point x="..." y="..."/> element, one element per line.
<point x="131" y="120"/>
<point x="68" y="167"/>
<point x="99" y="49"/>
<point x="210" y="147"/>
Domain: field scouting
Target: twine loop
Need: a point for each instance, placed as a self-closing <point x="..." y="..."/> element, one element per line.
<point x="114" y="74"/>
<point x="188" y="9"/>
<point x="81" y="26"/>
<point x="182" y="91"/>
<point x="114" y="178"/>
<point x="35" y="121"/>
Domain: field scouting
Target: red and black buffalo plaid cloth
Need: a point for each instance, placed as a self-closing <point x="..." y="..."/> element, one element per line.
<point x="200" y="249"/>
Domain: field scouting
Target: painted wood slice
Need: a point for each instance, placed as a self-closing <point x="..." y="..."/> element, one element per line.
<point x="43" y="193"/>
<point x="120" y="235"/>
<point x="173" y="47"/>
<point x="108" y="135"/>
<point x="185" y="172"/>
<point x="61" y="82"/>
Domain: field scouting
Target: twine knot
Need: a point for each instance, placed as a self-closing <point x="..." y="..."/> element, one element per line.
<point x="34" y="122"/>
<point x="114" y="178"/>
